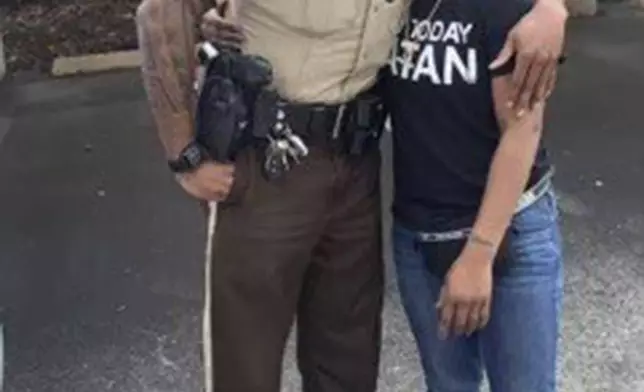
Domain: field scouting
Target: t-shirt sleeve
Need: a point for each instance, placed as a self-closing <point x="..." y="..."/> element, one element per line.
<point x="500" y="16"/>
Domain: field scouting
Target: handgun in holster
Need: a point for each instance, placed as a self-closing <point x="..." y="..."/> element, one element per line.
<point x="368" y="122"/>
<point x="230" y="86"/>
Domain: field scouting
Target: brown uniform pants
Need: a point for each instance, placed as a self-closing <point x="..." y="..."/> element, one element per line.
<point x="306" y="247"/>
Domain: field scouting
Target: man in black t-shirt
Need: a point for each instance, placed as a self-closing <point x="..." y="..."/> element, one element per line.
<point x="476" y="239"/>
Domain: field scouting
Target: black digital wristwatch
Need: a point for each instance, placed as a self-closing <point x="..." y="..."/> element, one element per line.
<point x="190" y="158"/>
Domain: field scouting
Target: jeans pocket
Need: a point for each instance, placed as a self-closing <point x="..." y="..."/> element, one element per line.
<point x="541" y="215"/>
<point x="405" y="249"/>
<point x="535" y="245"/>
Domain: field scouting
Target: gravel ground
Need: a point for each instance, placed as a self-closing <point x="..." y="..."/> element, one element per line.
<point x="37" y="31"/>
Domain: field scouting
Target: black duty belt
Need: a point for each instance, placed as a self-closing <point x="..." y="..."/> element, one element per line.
<point x="287" y="130"/>
<point x="321" y="124"/>
<point x="317" y="124"/>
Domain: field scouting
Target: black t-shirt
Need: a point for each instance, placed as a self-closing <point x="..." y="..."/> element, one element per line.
<point x="444" y="125"/>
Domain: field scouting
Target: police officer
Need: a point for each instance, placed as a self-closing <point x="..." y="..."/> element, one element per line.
<point x="307" y="245"/>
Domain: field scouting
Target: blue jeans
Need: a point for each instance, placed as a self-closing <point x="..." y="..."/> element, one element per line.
<point x="518" y="348"/>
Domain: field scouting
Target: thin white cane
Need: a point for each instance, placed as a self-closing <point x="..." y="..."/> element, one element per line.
<point x="206" y="327"/>
<point x="209" y="379"/>
<point x="207" y="310"/>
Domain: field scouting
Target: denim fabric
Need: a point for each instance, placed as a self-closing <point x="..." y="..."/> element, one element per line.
<point x="518" y="348"/>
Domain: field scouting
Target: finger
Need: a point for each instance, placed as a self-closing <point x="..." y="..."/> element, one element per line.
<point x="441" y="299"/>
<point x="221" y="27"/>
<point x="231" y="30"/>
<point x="203" y="193"/>
<point x="446" y="321"/>
<point x="505" y="54"/>
<point x="221" y="196"/>
<point x="212" y="16"/>
<point x="534" y="90"/>
<point x="230" y="37"/>
<point x="215" y="167"/>
<point x="192" y="190"/>
<point x="462" y="318"/>
<point x="228" y="169"/>
<point x="544" y="83"/>
<point x="227" y="8"/>
<point x="221" y="183"/>
<point x="214" y="193"/>
<point x="447" y="314"/>
<point x="530" y="94"/>
<point x="484" y="314"/>
<point x="473" y="318"/>
<point x="208" y="31"/>
<point x="552" y="82"/>
<point x="519" y="78"/>
<point x="216" y="183"/>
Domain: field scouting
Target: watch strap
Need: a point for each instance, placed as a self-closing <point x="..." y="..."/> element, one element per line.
<point x="190" y="158"/>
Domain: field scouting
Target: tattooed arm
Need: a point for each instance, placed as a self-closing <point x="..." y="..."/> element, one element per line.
<point x="167" y="37"/>
<point x="167" y="31"/>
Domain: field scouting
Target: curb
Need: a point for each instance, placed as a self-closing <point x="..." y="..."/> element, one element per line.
<point x="66" y="66"/>
<point x="102" y="62"/>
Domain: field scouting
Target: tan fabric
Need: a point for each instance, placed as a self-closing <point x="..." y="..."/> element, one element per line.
<point x="322" y="50"/>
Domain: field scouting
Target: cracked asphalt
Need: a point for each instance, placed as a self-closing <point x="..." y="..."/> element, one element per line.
<point x="100" y="253"/>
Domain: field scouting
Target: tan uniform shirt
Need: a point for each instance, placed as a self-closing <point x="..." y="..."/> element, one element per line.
<point x="322" y="50"/>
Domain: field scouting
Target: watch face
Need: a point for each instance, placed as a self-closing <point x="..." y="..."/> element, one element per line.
<point x="193" y="156"/>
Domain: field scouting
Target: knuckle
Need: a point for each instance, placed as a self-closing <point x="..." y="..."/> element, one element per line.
<point x="210" y="16"/>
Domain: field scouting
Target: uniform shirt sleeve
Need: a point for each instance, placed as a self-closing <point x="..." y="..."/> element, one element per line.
<point x="500" y="17"/>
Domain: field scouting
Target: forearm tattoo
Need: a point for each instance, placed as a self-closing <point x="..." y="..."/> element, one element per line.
<point x="167" y="36"/>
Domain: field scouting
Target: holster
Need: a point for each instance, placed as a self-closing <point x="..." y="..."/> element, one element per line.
<point x="221" y="118"/>
<point x="226" y="101"/>
<point x="365" y="124"/>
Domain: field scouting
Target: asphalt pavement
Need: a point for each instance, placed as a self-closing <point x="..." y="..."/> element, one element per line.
<point x="100" y="252"/>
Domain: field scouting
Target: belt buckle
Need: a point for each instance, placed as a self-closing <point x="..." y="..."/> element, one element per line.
<point x="445" y="236"/>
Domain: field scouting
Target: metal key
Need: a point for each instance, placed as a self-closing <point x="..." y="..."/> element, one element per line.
<point x="294" y="154"/>
<point x="283" y="148"/>
<point x="294" y="140"/>
<point x="276" y="155"/>
<point x="298" y="144"/>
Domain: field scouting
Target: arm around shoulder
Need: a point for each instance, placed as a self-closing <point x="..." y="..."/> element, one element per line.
<point x="537" y="42"/>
